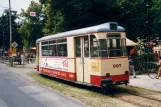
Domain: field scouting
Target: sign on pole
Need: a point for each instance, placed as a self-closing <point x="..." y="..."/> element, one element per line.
<point x="14" y="44"/>
<point x="32" y="13"/>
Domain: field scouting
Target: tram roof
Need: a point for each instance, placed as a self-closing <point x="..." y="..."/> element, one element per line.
<point x="106" y="27"/>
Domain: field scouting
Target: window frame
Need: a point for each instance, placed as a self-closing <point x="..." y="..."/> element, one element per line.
<point x="56" y="43"/>
<point x="62" y="43"/>
<point x="92" y="46"/>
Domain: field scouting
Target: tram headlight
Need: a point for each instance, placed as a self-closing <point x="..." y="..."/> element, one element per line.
<point x="107" y="74"/>
<point x="126" y="72"/>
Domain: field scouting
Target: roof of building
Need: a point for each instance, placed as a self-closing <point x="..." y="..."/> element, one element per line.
<point x="130" y="42"/>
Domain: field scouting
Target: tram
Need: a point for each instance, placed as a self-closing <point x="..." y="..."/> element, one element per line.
<point x="95" y="56"/>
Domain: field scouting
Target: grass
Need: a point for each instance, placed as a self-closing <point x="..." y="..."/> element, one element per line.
<point x="88" y="95"/>
<point x="14" y="66"/>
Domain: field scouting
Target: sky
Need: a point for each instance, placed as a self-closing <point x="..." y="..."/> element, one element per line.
<point x="16" y="5"/>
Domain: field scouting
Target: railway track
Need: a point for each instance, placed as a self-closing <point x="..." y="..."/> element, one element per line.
<point x="138" y="100"/>
<point x="159" y="100"/>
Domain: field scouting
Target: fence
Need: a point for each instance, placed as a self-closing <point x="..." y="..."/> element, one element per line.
<point x="14" y="61"/>
<point x="140" y="64"/>
<point x="4" y="59"/>
<point x="144" y="65"/>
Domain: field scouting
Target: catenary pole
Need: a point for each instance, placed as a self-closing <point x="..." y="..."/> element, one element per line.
<point x="10" y="25"/>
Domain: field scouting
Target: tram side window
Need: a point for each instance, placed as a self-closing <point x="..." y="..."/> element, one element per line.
<point x="86" y="46"/>
<point x="52" y="50"/>
<point x="62" y="47"/>
<point x="93" y="46"/>
<point x="45" y="51"/>
<point x="78" y="47"/>
<point x="44" y="43"/>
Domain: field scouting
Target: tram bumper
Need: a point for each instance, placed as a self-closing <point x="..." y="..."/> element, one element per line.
<point x="106" y="82"/>
<point x="115" y="80"/>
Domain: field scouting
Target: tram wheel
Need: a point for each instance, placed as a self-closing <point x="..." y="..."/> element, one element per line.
<point x="104" y="88"/>
<point x="39" y="72"/>
<point x="126" y="83"/>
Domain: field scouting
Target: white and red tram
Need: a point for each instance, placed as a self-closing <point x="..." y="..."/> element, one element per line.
<point x="94" y="56"/>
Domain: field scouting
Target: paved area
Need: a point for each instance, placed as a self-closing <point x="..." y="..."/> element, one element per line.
<point x="19" y="90"/>
<point x="145" y="81"/>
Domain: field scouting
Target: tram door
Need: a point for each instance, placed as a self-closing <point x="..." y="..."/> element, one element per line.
<point x="37" y="56"/>
<point x="82" y="59"/>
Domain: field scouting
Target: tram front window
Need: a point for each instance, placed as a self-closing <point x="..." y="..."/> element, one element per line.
<point x="98" y="48"/>
<point x="111" y="47"/>
<point x="115" y="47"/>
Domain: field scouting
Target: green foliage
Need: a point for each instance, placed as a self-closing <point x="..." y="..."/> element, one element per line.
<point x="42" y="1"/>
<point x="32" y="26"/>
<point x="136" y="18"/>
<point x="64" y="15"/>
<point x="141" y="18"/>
<point x="54" y="18"/>
<point x="148" y="49"/>
<point x="156" y="9"/>
<point x="135" y="15"/>
<point x="146" y="57"/>
<point x="5" y="28"/>
<point x="56" y="25"/>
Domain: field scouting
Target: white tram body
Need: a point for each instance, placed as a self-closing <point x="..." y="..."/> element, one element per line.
<point x="93" y="56"/>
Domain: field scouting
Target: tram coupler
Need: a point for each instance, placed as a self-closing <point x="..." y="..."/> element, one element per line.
<point x="106" y="82"/>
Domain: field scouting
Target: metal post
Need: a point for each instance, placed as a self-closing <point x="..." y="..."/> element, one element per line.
<point x="3" y="45"/>
<point x="11" y="59"/>
<point x="10" y="24"/>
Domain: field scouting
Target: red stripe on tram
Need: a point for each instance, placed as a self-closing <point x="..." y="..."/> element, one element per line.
<point x="59" y="74"/>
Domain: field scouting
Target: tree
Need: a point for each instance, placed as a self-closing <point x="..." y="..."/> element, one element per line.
<point x="42" y="1"/>
<point x="156" y="10"/>
<point x="137" y="18"/>
<point x="135" y="15"/>
<point x="64" y="15"/>
<point x="32" y="26"/>
<point x="54" y="18"/>
<point x="5" y="30"/>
